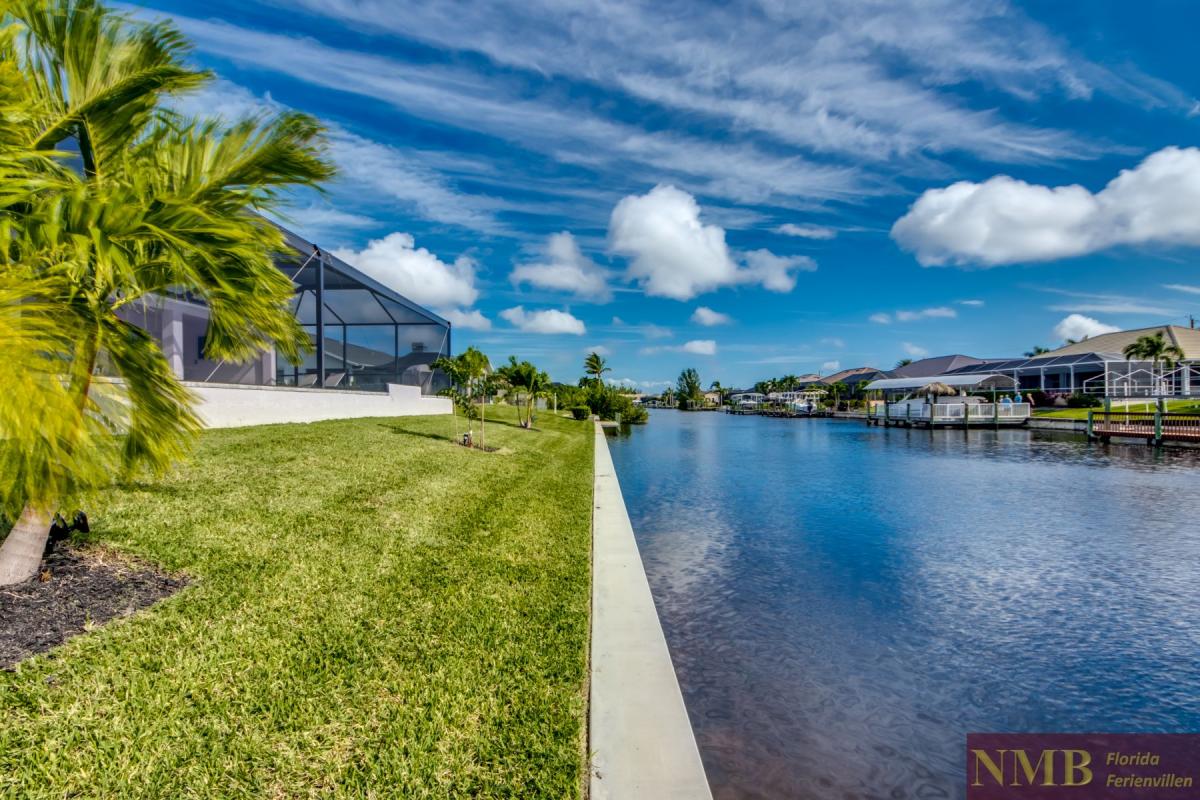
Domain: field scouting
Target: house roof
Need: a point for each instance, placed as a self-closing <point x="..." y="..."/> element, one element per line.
<point x="937" y="365"/>
<point x="1186" y="339"/>
<point x="853" y="375"/>
<point x="985" y="379"/>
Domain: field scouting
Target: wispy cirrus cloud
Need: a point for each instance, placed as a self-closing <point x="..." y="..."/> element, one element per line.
<point x="859" y="78"/>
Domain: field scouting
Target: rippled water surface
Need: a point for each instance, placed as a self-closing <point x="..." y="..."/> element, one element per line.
<point x="844" y="603"/>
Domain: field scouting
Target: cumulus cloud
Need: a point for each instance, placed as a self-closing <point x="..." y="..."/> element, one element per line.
<point x="881" y="318"/>
<point x="548" y="320"/>
<point x="939" y="312"/>
<point x="598" y="349"/>
<point x="806" y="231"/>
<point x="1004" y="220"/>
<point x="831" y="366"/>
<point x="467" y="319"/>
<point x="775" y="273"/>
<point x="565" y="268"/>
<point x="673" y="254"/>
<point x="414" y="272"/>
<point x="700" y="347"/>
<point x="914" y="350"/>
<point x="703" y="315"/>
<point x="1077" y="327"/>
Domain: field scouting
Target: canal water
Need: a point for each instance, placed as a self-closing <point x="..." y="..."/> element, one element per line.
<point x="843" y="603"/>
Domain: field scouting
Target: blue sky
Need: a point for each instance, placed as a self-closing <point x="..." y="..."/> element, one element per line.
<point x="749" y="189"/>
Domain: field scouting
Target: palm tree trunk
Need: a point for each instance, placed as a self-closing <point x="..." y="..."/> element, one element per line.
<point x="21" y="553"/>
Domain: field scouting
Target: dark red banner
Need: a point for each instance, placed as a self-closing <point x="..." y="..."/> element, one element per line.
<point x="1091" y="766"/>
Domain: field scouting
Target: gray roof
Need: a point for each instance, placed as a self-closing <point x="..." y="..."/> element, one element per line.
<point x="937" y="365"/>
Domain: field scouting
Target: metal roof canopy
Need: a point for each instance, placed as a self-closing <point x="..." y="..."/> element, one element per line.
<point x="989" y="381"/>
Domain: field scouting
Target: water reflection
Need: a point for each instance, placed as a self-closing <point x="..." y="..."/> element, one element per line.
<point x="844" y="603"/>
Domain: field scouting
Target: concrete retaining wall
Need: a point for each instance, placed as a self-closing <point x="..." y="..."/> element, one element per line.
<point x="233" y="405"/>
<point x="641" y="740"/>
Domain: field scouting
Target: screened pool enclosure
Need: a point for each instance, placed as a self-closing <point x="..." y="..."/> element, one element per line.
<point x="365" y="335"/>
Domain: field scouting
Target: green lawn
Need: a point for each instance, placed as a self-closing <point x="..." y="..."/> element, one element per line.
<point x="1173" y="406"/>
<point x="375" y="613"/>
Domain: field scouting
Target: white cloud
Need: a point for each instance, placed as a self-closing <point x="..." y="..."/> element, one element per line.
<point x="862" y="79"/>
<point x="1096" y="303"/>
<point x="1179" y="287"/>
<point x="673" y="254"/>
<point x="652" y="331"/>
<point x="319" y="223"/>
<point x="467" y="319"/>
<point x="415" y="272"/>
<point x="831" y="366"/>
<point x="938" y="312"/>
<point x="806" y="231"/>
<point x="913" y="350"/>
<point x="834" y="341"/>
<point x="1077" y="327"/>
<point x="975" y="303"/>
<point x="703" y="315"/>
<point x="565" y="269"/>
<point x="617" y="322"/>
<point x="549" y="320"/>
<point x="1004" y="220"/>
<point x="775" y="273"/>
<point x="598" y="349"/>
<point x="364" y="165"/>
<point x="701" y="347"/>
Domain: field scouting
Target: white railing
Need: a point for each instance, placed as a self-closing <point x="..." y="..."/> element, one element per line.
<point x="957" y="412"/>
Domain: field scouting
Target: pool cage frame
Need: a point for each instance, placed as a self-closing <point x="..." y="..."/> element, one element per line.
<point x="332" y="294"/>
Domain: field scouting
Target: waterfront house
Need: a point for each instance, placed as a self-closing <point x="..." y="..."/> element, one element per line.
<point x="1098" y="366"/>
<point x="371" y="339"/>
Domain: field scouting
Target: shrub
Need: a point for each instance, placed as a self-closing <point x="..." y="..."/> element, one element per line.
<point x="1081" y="400"/>
<point x="580" y="412"/>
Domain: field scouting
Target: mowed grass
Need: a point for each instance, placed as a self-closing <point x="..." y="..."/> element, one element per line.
<point x="1173" y="406"/>
<point x="375" y="612"/>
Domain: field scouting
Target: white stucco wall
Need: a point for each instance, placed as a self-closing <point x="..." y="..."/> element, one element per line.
<point x="233" y="406"/>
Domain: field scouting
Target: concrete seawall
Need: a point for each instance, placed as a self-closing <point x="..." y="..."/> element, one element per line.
<point x="640" y="739"/>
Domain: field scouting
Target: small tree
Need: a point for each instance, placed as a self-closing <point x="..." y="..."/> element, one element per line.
<point x="689" y="389"/>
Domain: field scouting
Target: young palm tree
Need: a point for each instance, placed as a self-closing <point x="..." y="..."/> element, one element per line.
<point x="595" y="366"/>
<point x="1155" y="349"/>
<point x="475" y="369"/>
<point x="1037" y="350"/>
<point x="158" y="204"/>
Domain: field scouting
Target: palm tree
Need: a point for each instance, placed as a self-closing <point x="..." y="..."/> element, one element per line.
<point x="158" y="204"/>
<point x="904" y="362"/>
<point x="453" y="369"/>
<point x="595" y="366"/>
<point x="838" y="390"/>
<point x="1155" y="349"/>
<point x="1036" y="351"/>
<point x="475" y="369"/>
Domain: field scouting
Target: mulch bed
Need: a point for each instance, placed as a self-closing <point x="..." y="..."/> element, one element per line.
<point x="77" y="589"/>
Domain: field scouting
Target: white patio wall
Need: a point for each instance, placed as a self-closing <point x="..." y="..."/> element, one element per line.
<point x="237" y="405"/>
